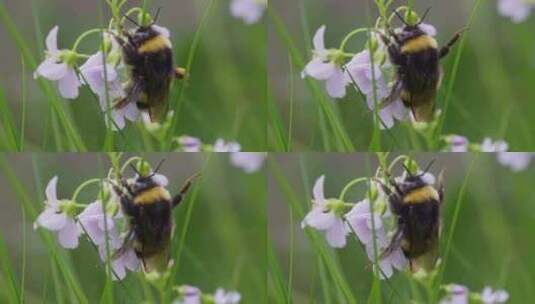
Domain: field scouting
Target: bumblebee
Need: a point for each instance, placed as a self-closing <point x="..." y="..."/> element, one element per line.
<point x="416" y="56"/>
<point x="148" y="207"/>
<point x="148" y="53"/>
<point x="416" y="204"/>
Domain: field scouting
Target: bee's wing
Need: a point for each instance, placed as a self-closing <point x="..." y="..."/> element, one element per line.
<point x="127" y="245"/>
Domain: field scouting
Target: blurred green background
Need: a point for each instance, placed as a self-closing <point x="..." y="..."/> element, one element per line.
<point x="224" y="245"/>
<point x="492" y="244"/>
<point x="492" y="95"/>
<point x="223" y="98"/>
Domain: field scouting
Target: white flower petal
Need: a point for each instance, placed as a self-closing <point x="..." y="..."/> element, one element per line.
<point x="51" y="219"/>
<point x="320" y="69"/>
<point x="336" y="84"/>
<point x="68" y="85"/>
<point x="50" y="192"/>
<point x="51" y="70"/>
<point x="317" y="190"/>
<point x="336" y="234"/>
<point x="68" y="236"/>
<point x="52" y="40"/>
<point x="318" y="40"/>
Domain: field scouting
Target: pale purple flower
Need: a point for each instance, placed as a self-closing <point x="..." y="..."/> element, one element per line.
<point x="489" y="296"/>
<point x="372" y="84"/>
<point x="394" y="260"/>
<point x="323" y="67"/>
<point x="324" y="218"/>
<point x="456" y="294"/>
<point x="56" y="69"/>
<point x="190" y="295"/>
<point x="248" y="161"/>
<point x="221" y="146"/>
<point x="250" y="11"/>
<point x="517" y="10"/>
<point x="516" y="161"/>
<point x="360" y="220"/>
<point x="493" y="146"/>
<point x="189" y="143"/>
<point x="105" y="83"/>
<point x="94" y="222"/>
<point x="223" y="297"/>
<point x="55" y="218"/>
<point x="456" y="143"/>
<point x="125" y="261"/>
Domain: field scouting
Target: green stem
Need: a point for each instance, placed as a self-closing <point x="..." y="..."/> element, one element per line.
<point x="351" y="184"/>
<point x="82" y="186"/>
<point x="83" y="36"/>
<point x="396" y="160"/>
<point x="130" y="160"/>
<point x="350" y="35"/>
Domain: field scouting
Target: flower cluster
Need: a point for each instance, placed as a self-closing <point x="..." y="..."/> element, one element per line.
<point x="517" y="10"/>
<point x="516" y="161"/>
<point x="104" y="71"/>
<point x="250" y="11"/>
<point x="101" y="221"/>
<point x="249" y="162"/>
<point x="459" y="294"/>
<point x="369" y="71"/>
<point x="370" y="220"/>
<point x="193" y="295"/>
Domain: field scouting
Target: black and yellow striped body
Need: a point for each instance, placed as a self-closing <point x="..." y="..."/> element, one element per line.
<point x="149" y="55"/>
<point x="416" y="205"/>
<point x="419" y="76"/>
<point x="150" y="218"/>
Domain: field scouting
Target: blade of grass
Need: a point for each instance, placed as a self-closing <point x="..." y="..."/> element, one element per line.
<point x="451" y="231"/>
<point x="453" y="76"/>
<point x="326" y="258"/>
<point x="340" y="135"/>
<point x="59" y="258"/>
<point x="7" y="124"/>
<point x="176" y="105"/>
<point x="13" y="293"/>
<point x="276" y="277"/>
<point x="72" y="134"/>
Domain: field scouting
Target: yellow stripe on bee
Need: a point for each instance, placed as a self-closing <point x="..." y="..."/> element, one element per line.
<point x="152" y="195"/>
<point x="418" y="44"/>
<point x="421" y="195"/>
<point x="154" y="44"/>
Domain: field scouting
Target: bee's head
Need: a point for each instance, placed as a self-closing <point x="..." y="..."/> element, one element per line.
<point x="144" y="32"/>
<point x="143" y="181"/>
<point x="415" y="181"/>
<point x="411" y="31"/>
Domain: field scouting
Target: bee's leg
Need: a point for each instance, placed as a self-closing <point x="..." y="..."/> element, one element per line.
<point x="441" y="186"/>
<point x="187" y="184"/>
<point x="396" y="57"/>
<point x="127" y="244"/>
<point x="133" y="94"/>
<point x="180" y="73"/>
<point x="394" y="242"/>
<point x="394" y="93"/>
<point x="444" y="51"/>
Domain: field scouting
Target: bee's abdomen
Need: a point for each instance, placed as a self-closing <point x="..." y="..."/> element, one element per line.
<point x="420" y="229"/>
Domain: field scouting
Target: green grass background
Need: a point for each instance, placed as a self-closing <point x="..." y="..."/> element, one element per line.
<point x="221" y="224"/>
<point x="492" y="241"/>
<point x="491" y="93"/>
<point x="224" y="96"/>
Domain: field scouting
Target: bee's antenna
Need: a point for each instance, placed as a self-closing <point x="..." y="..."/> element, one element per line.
<point x="135" y="169"/>
<point x="158" y="167"/>
<point x="424" y="16"/>
<point x="131" y="20"/>
<point x="428" y="166"/>
<point x="401" y="18"/>
<point x="407" y="170"/>
<point x="156" y="16"/>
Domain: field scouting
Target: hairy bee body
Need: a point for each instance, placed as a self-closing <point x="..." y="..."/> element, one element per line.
<point x="416" y="56"/>
<point x="416" y="205"/>
<point x="148" y="52"/>
<point x="149" y="209"/>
